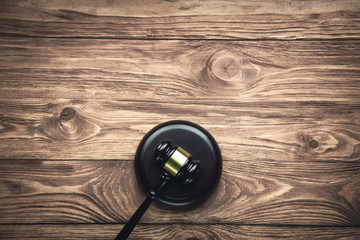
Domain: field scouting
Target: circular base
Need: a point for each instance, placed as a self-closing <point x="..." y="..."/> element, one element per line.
<point x="196" y="141"/>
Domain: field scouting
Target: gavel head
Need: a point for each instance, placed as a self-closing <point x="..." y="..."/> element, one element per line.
<point x="176" y="162"/>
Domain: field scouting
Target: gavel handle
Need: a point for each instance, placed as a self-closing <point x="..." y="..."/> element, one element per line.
<point x="127" y="229"/>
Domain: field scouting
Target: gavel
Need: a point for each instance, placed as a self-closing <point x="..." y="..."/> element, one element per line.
<point x="176" y="164"/>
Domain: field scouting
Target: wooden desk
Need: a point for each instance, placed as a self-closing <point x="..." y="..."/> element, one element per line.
<point x="276" y="83"/>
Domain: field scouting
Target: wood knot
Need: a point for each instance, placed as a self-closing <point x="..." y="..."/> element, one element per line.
<point x="318" y="142"/>
<point x="67" y="114"/>
<point x="313" y="144"/>
<point x="6" y="127"/>
<point x="334" y="144"/>
<point x="68" y="125"/>
<point x="228" y="69"/>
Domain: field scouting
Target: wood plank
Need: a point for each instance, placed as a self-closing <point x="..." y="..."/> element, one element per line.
<point x="176" y="70"/>
<point x="249" y="131"/>
<point x="277" y="98"/>
<point x="264" y="191"/>
<point x="176" y="231"/>
<point x="153" y="19"/>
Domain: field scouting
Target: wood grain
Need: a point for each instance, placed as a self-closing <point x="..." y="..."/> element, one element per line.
<point x="176" y="231"/>
<point x="285" y="96"/>
<point x="257" y="192"/>
<point x="81" y="82"/>
<point x="105" y="130"/>
<point x="153" y="19"/>
<point x="175" y="70"/>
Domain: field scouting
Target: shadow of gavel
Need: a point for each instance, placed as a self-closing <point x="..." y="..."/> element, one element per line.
<point x="176" y="164"/>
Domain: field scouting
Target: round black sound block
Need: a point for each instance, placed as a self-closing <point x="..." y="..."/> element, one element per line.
<point x="196" y="141"/>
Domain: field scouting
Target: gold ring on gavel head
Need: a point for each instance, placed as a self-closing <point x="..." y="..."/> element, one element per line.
<point x="176" y="161"/>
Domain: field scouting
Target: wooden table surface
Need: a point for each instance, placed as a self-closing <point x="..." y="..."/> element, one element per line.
<point x="277" y="83"/>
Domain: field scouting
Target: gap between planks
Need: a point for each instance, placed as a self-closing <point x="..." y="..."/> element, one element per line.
<point x="183" y="39"/>
<point x="177" y="231"/>
<point x="261" y="192"/>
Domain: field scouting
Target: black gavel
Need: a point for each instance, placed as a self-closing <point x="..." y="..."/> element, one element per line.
<point x="175" y="163"/>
